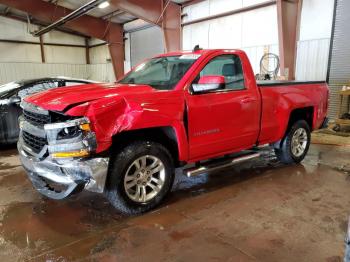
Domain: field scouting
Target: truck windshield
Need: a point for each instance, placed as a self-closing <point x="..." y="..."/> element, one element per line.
<point x="161" y="73"/>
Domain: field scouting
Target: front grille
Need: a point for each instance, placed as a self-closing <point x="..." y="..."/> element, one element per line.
<point x="36" y="119"/>
<point x="34" y="142"/>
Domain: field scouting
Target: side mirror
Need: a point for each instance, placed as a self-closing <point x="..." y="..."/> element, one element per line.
<point x="14" y="100"/>
<point x="209" y="83"/>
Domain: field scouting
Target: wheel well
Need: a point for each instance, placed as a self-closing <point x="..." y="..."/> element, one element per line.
<point x="306" y="113"/>
<point x="163" y="135"/>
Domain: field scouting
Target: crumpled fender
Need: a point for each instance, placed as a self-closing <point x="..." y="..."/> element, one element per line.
<point x="112" y="115"/>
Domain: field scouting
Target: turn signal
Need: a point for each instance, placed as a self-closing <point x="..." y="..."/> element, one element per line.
<point x="81" y="153"/>
<point x="85" y="127"/>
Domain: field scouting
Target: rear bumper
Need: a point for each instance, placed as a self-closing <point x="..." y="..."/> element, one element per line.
<point x="58" y="179"/>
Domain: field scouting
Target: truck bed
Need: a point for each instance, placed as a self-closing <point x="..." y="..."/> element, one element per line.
<point x="280" y="98"/>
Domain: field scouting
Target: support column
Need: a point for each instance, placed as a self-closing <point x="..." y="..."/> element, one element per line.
<point x="288" y="14"/>
<point x="87" y="51"/>
<point x="115" y="42"/>
<point x="42" y="49"/>
<point x="171" y="26"/>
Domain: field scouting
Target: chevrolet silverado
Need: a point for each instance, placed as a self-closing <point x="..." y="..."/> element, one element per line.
<point x="199" y="111"/>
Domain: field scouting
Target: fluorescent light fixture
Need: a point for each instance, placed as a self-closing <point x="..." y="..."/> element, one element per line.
<point x="103" y="5"/>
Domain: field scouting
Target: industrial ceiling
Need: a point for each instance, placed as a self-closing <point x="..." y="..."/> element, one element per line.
<point x="109" y="13"/>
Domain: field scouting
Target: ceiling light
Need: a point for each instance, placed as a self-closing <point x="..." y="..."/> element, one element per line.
<point x="103" y="5"/>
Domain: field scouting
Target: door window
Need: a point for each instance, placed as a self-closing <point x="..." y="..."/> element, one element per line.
<point x="230" y="67"/>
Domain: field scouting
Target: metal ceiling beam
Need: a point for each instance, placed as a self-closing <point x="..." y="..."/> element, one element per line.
<point x="163" y="13"/>
<point x="73" y="15"/>
<point x="91" y="26"/>
<point x="288" y="16"/>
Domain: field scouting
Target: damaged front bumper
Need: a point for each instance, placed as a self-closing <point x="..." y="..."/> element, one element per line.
<point x="58" y="179"/>
<point x="63" y="165"/>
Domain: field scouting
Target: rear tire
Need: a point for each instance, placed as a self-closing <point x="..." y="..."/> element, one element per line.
<point x="140" y="176"/>
<point x="295" y="144"/>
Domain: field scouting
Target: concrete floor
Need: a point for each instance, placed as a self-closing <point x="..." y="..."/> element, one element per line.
<point x="259" y="211"/>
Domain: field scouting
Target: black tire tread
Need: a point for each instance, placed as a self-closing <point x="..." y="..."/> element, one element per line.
<point x="284" y="153"/>
<point x="118" y="164"/>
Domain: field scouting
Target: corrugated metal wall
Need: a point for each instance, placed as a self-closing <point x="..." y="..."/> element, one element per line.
<point x="312" y="59"/>
<point x="253" y="31"/>
<point x="17" y="71"/>
<point x="101" y="72"/>
<point x="339" y="71"/>
<point x="145" y="43"/>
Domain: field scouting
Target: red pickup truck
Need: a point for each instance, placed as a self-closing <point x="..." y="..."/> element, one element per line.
<point x="199" y="110"/>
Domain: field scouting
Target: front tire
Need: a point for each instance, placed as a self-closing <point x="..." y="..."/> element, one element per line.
<point x="295" y="145"/>
<point x="140" y="176"/>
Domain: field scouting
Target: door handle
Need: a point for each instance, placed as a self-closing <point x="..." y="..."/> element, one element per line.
<point x="246" y="100"/>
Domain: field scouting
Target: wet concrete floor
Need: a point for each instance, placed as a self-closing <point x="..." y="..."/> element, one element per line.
<point x="257" y="211"/>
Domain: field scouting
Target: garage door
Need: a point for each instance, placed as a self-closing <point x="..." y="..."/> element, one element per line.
<point x="145" y="43"/>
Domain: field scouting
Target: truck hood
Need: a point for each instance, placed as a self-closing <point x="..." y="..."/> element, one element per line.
<point x="59" y="99"/>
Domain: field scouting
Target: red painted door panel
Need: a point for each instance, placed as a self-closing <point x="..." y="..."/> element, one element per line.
<point x="225" y="120"/>
<point x="222" y="122"/>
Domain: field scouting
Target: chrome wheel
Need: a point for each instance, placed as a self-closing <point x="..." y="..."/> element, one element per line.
<point x="144" y="178"/>
<point x="299" y="142"/>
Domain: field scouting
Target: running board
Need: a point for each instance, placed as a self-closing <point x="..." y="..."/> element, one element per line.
<point x="195" y="171"/>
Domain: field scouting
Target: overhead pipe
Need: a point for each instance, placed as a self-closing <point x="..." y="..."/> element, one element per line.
<point x="73" y="15"/>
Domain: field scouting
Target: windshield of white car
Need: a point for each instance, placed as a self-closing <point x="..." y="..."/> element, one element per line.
<point x="161" y="73"/>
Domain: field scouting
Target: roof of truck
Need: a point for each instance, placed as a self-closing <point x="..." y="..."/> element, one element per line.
<point x="198" y="52"/>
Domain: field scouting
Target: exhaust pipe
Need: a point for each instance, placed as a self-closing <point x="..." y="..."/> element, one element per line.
<point x="195" y="171"/>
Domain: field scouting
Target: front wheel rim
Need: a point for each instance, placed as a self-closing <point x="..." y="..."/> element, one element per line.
<point x="299" y="142"/>
<point x="144" y="178"/>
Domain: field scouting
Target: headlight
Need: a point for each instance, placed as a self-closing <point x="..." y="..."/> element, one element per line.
<point x="70" y="139"/>
<point x="80" y="122"/>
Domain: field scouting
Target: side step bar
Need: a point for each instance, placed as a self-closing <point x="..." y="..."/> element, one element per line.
<point x="195" y="171"/>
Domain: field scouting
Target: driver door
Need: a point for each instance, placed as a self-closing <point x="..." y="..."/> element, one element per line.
<point x="226" y="120"/>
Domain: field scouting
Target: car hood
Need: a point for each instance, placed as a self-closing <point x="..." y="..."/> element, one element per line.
<point x="59" y="99"/>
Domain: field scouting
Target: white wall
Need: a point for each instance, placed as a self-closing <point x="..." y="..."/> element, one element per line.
<point x="316" y="19"/>
<point x="11" y="29"/>
<point x="99" y="54"/>
<point x="15" y="30"/>
<point x="23" y="61"/>
<point x="100" y="68"/>
<point x="10" y="52"/>
<point x="16" y="71"/>
<point x="257" y="30"/>
<point x="253" y="31"/>
<point x="64" y="54"/>
<point x="314" y="39"/>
